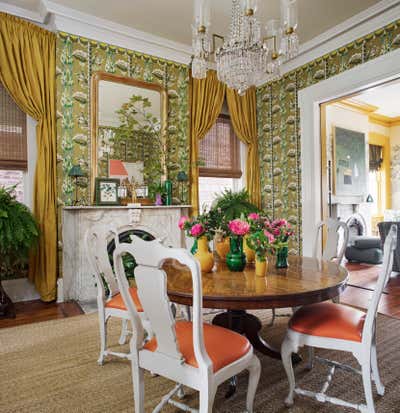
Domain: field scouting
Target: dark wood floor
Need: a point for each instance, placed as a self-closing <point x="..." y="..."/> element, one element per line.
<point x="35" y="311"/>
<point x="362" y="281"/>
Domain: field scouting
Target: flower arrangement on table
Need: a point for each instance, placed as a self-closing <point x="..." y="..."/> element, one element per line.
<point x="272" y="238"/>
<point x="201" y="230"/>
<point x="236" y="258"/>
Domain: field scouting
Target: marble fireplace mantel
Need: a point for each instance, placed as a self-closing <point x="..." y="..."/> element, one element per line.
<point x="78" y="282"/>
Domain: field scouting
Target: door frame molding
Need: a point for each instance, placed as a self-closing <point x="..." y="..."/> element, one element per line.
<point x="375" y="72"/>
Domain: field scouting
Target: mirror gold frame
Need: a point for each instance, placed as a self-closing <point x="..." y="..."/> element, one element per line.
<point x="96" y="78"/>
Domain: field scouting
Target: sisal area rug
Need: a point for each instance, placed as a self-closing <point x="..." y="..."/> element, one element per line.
<point x="51" y="367"/>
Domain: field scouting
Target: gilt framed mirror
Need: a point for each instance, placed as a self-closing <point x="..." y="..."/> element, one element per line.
<point x="128" y="130"/>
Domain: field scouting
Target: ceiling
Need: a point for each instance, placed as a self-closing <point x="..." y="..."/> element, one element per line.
<point x="385" y="97"/>
<point x="171" y="19"/>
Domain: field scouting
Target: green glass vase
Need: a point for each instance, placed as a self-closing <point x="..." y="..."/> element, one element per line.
<point x="282" y="257"/>
<point x="236" y="259"/>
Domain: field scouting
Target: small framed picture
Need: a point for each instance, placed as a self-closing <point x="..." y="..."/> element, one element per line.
<point x="142" y="191"/>
<point x="107" y="191"/>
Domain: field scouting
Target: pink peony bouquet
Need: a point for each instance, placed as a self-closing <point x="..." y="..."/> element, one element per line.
<point x="278" y="232"/>
<point x="196" y="227"/>
<point x="239" y="227"/>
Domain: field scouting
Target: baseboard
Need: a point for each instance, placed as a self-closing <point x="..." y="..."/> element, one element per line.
<point x="20" y="289"/>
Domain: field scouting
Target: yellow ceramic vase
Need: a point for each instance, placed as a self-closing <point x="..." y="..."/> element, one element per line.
<point x="250" y="254"/>
<point x="222" y="247"/>
<point x="203" y="255"/>
<point x="261" y="267"/>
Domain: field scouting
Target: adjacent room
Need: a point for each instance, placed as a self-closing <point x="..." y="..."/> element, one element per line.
<point x="199" y="206"/>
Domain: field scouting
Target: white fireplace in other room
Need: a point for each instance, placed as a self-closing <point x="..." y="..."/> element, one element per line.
<point x="78" y="282"/>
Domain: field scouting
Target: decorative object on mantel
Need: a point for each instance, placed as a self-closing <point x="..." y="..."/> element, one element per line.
<point x="168" y="192"/>
<point x="245" y="58"/>
<point x="181" y="178"/>
<point x="107" y="191"/>
<point x="199" y="229"/>
<point x="369" y="199"/>
<point x="76" y="172"/>
<point x="236" y="259"/>
<point x="19" y="233"/>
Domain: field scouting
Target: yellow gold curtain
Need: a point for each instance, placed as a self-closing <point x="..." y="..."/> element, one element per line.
<point x="206" y="104"/>
<point x="243" y="111"/>
<point x="27" y="71"/>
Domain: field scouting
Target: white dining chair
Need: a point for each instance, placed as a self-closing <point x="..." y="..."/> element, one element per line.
<point x="339" y="327"/>
<point x="331" y="252"/>
<point x="191" y="353"/>
<point x="111" y="304"/>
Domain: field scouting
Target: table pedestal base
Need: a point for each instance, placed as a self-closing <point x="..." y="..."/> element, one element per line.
<point x="250" y="326"/>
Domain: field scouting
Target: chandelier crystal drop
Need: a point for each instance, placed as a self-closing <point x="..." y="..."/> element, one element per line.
<point x="245" y="58"/>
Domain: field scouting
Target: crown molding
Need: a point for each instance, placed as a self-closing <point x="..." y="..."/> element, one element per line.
<point x="82" y="24"/>
<point x="359" y="25"/>
<point x="38" y="16"/>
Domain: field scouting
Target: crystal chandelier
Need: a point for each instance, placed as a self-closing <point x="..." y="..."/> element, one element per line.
<point x="245" y="57"/>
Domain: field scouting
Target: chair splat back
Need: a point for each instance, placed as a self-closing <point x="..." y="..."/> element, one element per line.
<point x="388" y="252"/>
<point x="96" y="241"/>
<point x="331" y="250"/>
<point x="151" y="281"/>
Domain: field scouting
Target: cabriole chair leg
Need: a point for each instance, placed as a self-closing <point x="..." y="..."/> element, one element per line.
<point x="286" y="351"/>
<point x="254" y="377"/>
<point x="124" y="332"/>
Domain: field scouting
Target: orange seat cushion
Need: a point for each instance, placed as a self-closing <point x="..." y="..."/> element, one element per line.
<point x="329" y="320"/>
<point x="118" y="303"/>
<point x="223" y="346"/>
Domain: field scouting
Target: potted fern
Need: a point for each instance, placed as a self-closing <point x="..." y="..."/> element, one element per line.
<point x="18" y="234"/>
<point x="228" y="206"/>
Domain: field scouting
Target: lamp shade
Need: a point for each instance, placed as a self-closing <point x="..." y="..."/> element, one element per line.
<point x="182" y="177"/>
<point x="76" y="171"/>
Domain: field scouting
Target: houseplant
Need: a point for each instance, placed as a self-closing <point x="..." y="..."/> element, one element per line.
<point x="228" y="206"/>
<point x="199" y="228"/>
<point x="18" y="234"/>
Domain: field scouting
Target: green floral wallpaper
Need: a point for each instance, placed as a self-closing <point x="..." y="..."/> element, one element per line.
<point x="278" y="122"/>
<point x="77" y="59"/>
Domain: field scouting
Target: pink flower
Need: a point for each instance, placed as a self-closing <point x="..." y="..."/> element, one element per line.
<point x="196" y="230"/>
<point x="239" y="227"/>
<point x="279" y="223"/>
<point x="182" y="221"/>
<point x="270" y="237"/>
<point x="276" y="231"/>
<point x="253" y="216"/>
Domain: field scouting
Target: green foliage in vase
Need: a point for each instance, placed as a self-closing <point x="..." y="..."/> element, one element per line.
<point x="18" y="233"/>
<point x="233" y="205"/>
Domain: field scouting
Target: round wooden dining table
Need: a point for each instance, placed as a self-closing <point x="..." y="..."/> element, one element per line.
<point x="305" y="281"/>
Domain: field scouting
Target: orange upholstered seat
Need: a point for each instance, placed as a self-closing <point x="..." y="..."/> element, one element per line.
<point x="329" y="320"/>
<point x="223" y="346"/>
<point x="118" y="303"/>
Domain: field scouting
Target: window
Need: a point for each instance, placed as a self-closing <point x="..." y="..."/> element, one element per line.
<point x="13" y="144"/>
<point x="221" y="163"/>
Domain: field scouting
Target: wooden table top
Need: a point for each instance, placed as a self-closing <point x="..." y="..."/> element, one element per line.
<point x="305" y="281"/>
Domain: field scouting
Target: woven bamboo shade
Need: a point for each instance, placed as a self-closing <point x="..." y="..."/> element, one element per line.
<point x="13" y="143"/>
<point x="219" y="151"/>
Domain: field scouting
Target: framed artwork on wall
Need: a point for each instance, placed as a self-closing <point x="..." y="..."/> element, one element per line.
<point x="349" y="160"/>
<point x="107" y="191"/>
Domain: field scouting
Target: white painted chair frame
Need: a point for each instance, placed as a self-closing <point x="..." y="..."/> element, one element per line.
<point x="167" y="360"/>
<point x="331" y="252"/>
<point x="96" y="242"/>
<point x="364" y="351"/>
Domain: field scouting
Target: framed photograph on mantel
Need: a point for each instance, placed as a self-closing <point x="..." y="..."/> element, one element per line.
<point x="107" y="191"/>
<point x="349" y="163"/>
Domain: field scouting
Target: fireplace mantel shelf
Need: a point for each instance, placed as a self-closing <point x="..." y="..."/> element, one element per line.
<point x="79" y="207"/>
